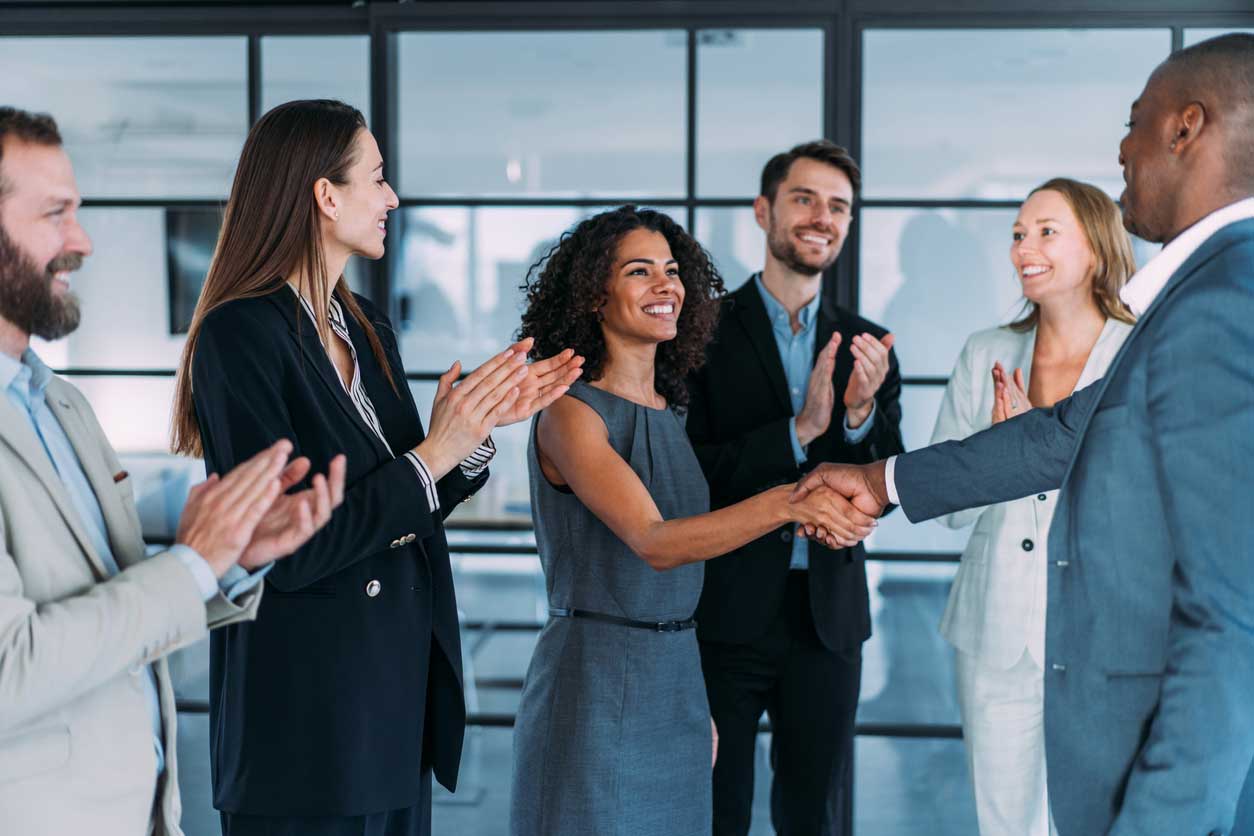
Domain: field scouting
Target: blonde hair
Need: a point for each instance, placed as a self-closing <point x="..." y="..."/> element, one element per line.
<point x="1114" y="263"/>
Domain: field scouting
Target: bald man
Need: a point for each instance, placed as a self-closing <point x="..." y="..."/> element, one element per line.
<point x="1149" y="680"/>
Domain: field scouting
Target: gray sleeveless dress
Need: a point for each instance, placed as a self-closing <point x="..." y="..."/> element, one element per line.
<point x="613" y="731"/>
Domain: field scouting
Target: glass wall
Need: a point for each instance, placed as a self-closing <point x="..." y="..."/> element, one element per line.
<point x="501" y="140"/>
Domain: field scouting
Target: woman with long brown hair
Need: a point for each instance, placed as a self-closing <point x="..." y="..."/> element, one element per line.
<point x="329" y="713"/>
<point x="1071" y="256"/>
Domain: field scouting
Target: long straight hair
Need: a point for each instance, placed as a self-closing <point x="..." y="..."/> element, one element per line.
<point x="271" y="230"/>
<point x="1103" y="228"/>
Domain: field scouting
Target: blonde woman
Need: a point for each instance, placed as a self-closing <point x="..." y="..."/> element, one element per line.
<point x="1071" y="254"/>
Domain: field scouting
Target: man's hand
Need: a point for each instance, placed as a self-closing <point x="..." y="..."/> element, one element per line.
<point x="862" y="485"/>
<point x="222" y="513"/>
<point x="870" y="367"/>
<point x="546" y="381"/>
<point x="294" y="518"/>
<point x="1010" y="395"/>
<point x="816" y="414"/>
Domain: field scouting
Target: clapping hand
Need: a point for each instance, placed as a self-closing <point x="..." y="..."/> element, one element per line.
<point x="1010" y="396"/>
<point x="546" y="381"/>
<point x="295" y="517"/>
<point x="870" y="368"/>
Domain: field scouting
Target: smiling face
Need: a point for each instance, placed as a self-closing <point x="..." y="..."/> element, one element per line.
<point x="644" y="295"/>
<point x="1050" y="252"/>
<point x="1145" y="153"/>
<point x="362" y="203"/>
<point x="807" y="221"/>
<point x="41" y="242"/>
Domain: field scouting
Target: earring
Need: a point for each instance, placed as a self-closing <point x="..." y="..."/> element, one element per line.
<point x="336" y="216"/>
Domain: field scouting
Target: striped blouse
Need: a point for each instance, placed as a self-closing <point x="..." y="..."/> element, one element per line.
<point x="471" y="467"/>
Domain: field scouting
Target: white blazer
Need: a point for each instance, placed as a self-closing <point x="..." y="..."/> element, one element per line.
<point x="997" y="603"/>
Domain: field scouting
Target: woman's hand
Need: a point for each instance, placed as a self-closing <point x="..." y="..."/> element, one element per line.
<point x="831" y="518"/>
<point x="546" y="381"/>
<point x="1010" y="396"/>
<point x="465" y="412"/>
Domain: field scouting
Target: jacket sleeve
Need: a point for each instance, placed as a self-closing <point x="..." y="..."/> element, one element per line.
<point x="1188" y="774"/>
<point x="1025" y="455"/>
<point x="237" y="387"/>
<point x="957" y="419"/>
<point x="53" y="653"/>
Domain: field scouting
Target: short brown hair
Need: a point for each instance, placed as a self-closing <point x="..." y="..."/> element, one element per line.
<point x="37" y="128"/>
<point x="1114" y="263"/>
<point x="824" y="150"/>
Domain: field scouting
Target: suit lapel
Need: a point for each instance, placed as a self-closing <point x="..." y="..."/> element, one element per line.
<point x="16" y="432"/>
<point x="123" y="536"/>
<point x="753" y="318"/>
<point x="306" y="338"/>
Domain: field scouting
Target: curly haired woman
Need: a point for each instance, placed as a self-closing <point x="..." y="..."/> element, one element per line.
<point x="613" y="732"/>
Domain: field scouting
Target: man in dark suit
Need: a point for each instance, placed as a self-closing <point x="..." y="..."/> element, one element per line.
<point x="790" y="379"/>
<point x="1150" y="625"/>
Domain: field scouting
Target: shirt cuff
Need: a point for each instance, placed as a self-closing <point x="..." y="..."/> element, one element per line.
<point x="199" y="567"/>
<point x="424" y="476"/>
<point x="798" y="452"/>
<point x="477" y="461"/>
<point x="239" y="580"/>
<point x="855" y="436"/>
<point x="890" y="480"/>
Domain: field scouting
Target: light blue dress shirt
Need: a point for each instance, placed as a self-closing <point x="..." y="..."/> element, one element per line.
<point x="25" y="384"/>
<point x="796" y="353"/>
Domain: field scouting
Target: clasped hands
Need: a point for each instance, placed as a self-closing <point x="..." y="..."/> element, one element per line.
<point x="837" y="504"/>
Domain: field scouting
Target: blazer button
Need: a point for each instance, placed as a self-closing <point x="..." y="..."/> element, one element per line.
<point x="1041" y="497"/>
<point x="786" y="536"/>
<point x="1028" y="545"/>
<point x="372" y="588"/>
<point x="409" y="538"/>
<point x="1059" y="668"/>
<point x="1062" y="564"/>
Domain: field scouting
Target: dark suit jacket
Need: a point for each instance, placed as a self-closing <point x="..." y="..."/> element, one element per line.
<point x="333" y="700"/>
<point x="738" y="424"/>
<point x="1150" y="634"/>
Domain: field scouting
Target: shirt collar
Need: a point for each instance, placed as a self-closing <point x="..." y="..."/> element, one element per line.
<point x="1145" y="285"/>
<point x="775" y="310"/>
<point x="11" y="370"/>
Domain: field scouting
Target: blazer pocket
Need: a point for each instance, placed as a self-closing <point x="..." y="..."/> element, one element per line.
<point x="33" y="752"/>
<point x="1115" y="416"/>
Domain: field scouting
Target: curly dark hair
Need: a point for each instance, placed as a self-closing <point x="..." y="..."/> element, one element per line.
<point x="577" y="270"/>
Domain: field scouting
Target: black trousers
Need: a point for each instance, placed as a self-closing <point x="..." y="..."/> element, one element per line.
<point x="811" y="696"/>
<point x="409" y="821"/>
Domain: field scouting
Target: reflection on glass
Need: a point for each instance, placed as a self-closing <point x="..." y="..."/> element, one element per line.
<point x="759" y="92"/>
<point x="191" y="235"/>
<point x="134" y="411"/>
<point x="734" y="241"/>
<point x="141" y="117"/>
<point x="542" y="113"/>
<point x="901" y="783"/>
<point x="1193" y="36"/>
<point x="195" y="780"/>
<point x="919" y="406"/>
<point x="1034" y="103"/>
<point x="933" y="277"/>
<point x="316" y="67"/>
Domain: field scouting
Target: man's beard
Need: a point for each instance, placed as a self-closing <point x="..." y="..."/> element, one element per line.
<point x="27" y="299"/>
<point x="784" y="249"/>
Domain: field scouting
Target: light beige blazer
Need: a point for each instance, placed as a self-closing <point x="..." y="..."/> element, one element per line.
<point x="76" y="750"/>
<point x="996" y="606"/>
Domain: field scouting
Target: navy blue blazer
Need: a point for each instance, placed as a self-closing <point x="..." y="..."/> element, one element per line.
<point x="335" y="699"/>
<point x="1149" y="685"/>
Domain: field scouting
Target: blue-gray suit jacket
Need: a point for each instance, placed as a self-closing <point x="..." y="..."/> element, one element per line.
<point x="1149" y="681"/>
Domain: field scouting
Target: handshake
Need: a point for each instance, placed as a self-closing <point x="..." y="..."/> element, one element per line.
<point x="837" y="504"/>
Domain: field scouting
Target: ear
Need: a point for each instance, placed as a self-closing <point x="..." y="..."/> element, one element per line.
<point x="326" y="199"/>
<point x="762" y="212"/>
<point x="1188" y="126"/>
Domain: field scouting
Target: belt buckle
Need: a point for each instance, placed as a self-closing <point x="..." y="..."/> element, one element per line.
<point x="667" y="627"/>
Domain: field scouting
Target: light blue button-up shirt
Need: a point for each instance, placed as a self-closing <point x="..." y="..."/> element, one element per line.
<point x="796" y="353"/>
<point x="25" y="383"/>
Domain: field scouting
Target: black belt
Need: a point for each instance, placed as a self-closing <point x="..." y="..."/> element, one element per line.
<point x="656" y="626"/>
